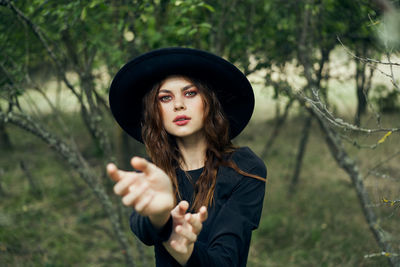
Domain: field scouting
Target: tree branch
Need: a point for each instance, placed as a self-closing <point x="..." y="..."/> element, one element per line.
<point x="321" y="109"/>
<point x="78" y="163"/>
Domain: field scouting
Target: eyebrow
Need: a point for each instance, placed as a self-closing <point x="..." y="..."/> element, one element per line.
<point x="183" y="89"/>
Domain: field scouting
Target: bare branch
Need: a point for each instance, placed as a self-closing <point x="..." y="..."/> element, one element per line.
<point x="379" y="164"/>
<point x="383" y="253"/>
<point x="320" y="108"/>
<point x="393" y="80"/>
<point x="384" y="176"/>
<point x="367" y="60"/>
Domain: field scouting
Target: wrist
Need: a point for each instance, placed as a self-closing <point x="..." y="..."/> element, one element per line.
<point x="159" y="220"/>
<point x="182" y="259"/>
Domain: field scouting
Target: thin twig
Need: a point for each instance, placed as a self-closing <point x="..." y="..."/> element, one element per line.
<point x="367" y="60"/>
<point x="392" y="74"/>
<point x="379" y="164"/>
<point x="319" y="107"/>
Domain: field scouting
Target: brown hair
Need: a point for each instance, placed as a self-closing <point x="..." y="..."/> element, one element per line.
<point x="164" y="152"/>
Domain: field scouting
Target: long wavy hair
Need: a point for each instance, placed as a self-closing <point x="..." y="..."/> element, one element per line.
<point x="163" y="150"/>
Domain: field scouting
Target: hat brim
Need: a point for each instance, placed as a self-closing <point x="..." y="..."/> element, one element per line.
<point x="138" y="76"/>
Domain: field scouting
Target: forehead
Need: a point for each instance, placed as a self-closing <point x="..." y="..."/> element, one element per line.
<point x="171" y="82"/>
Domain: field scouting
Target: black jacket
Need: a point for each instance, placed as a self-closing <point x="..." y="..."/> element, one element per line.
<point x="225" y="236"/>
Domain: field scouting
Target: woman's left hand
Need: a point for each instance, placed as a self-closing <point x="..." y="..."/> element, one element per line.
<point x="186" y="228"/>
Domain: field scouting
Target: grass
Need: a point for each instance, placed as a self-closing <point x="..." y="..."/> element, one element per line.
<point x="320" y="225"/>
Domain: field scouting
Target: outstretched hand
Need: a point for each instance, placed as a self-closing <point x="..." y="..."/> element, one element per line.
<point x="149" y="192"/>
<point x="186" y="228"/>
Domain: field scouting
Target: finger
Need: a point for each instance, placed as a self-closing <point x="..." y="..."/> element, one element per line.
<point x="194" y="221"/>
<point x="142" y="203"/>
<point x="135" y="192"/>
<point x="122" y="187"/>
<point x="141" y="164"/>
<point x="183" y="207"/>
<point x="175" y="211"/>
<point x="203" y="213"/>
<point x="115" y="173"/>
<point x="186" y="232"/>
<point x="197" y="219"/>
<point x="112" y="171"/>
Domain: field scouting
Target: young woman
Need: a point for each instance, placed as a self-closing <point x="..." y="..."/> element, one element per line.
<point x="200" y="198"/>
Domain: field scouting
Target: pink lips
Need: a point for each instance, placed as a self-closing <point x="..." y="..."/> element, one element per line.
<point x="181" y="120"/>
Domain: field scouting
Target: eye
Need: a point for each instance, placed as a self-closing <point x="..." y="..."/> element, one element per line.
<point x="190" y="93"/>
<point x="165" y="98"/>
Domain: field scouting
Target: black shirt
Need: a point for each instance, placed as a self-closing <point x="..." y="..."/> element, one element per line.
<point x="225" y="237"/>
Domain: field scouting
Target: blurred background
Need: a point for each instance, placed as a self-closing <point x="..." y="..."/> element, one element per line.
<point x="327" y="121"/>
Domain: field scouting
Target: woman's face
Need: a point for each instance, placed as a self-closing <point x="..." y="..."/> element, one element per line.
<point x="182" y="107"/>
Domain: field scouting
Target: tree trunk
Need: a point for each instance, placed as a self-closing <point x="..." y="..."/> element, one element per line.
<point x="5" y="143"/>
<point x="277" y="127"/>
<point x="363" y="84"/>
<point x="2" y="192"/>
<point x="361" y="93"/>
<point x="33" y="187"/>
<point x="300" y="154"/>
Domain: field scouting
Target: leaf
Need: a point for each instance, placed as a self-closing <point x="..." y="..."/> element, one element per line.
<point x="205" y="25"/>
<point x="192" y="32"/>
<point x="207" y="6"/>
<point x="83" y="13"/>
<point x="384" y="137"/>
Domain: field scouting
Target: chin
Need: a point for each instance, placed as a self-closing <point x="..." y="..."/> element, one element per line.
<point x="184" y="134"/>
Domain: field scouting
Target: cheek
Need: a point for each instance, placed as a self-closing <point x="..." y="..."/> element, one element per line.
<point x="202" y="108"/>
<point x="164" y="113"/>
<point x="198" y="105"/>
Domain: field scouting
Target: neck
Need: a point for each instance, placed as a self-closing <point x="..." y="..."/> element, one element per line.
<point x="193" y="151"/>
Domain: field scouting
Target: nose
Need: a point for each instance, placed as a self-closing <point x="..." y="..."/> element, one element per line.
<point x="179" y="104"/>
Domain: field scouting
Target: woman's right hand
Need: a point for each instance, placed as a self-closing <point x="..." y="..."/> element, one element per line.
<point x="149" y="192"/>
<point x="185" y="229"/>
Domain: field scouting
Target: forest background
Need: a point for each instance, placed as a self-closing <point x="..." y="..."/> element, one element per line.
<point x="325" y="74"/>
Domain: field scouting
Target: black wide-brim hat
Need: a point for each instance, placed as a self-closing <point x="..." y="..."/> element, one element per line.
<point x="138" y="76"/>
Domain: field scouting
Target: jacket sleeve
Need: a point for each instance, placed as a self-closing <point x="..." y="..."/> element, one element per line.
<point x="229" y="240"/>
<point x="145" y="231"/>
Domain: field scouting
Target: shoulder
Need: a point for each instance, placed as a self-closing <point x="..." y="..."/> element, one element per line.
<point x="244" y="192"/>
<point x="249" y="162"/>
<point x="229" y="180"/>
